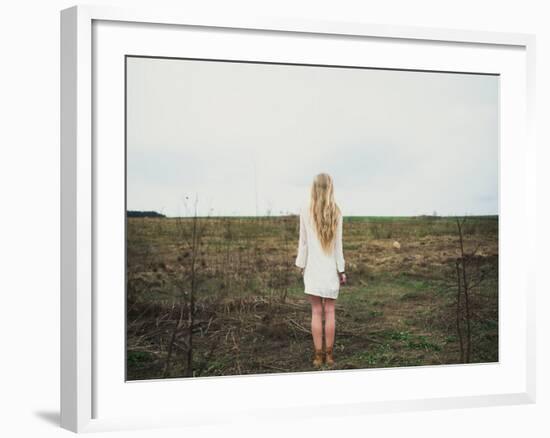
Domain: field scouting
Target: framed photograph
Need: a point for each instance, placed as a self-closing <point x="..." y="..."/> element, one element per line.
<point x="266" y="217"/>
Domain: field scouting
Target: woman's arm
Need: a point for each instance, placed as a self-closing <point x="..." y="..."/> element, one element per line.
<point x="302" y="245"/>
<point x="339" y="251"/>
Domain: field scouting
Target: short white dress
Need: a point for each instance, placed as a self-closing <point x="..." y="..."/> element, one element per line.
<point x="320" y="269"/>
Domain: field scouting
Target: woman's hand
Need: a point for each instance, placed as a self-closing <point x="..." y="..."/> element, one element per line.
<point x="343" y="277"/>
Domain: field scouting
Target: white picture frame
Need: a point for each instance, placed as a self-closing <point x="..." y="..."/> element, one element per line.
<point x="86" y="380"/>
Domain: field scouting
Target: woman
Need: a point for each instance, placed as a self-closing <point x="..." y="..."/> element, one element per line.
<point x="321" y="259"/>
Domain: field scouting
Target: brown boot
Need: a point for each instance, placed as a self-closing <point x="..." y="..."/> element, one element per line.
<point x="318" y="358"/>
<point x="329" y="357"/>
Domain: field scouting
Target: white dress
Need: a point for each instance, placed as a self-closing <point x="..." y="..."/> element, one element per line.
<point x="320" y="269"/>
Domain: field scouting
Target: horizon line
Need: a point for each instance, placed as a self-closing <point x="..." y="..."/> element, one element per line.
<point x="296" y="214"/>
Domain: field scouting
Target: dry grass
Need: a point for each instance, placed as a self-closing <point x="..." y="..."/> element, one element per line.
<point x="251" y="312"/>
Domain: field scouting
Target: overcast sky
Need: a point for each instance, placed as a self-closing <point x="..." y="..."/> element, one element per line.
<point x="248" y="139"/>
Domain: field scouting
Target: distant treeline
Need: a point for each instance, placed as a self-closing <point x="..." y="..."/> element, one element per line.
<point x="143" y="214"/>
<point x="155" y="214"/>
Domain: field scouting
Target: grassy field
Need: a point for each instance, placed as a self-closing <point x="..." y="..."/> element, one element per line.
<point x="221" y="296"/>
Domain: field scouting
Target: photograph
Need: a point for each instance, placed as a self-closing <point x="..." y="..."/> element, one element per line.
<point x="286" y="218"/>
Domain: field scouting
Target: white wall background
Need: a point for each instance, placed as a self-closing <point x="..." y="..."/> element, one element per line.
<point x="29" y="223"/>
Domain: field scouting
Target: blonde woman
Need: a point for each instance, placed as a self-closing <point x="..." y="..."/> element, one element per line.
<point x="321" y="259"/>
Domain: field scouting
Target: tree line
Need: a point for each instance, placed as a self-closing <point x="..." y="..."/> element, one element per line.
<point x="135" y="213"/>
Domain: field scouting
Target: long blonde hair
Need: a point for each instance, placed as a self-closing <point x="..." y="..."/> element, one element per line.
<point x="323" y="210"/>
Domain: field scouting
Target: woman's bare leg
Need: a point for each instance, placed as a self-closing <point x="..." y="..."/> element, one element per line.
<point x="330" y="322"/>
<point x="316" y="321"/>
